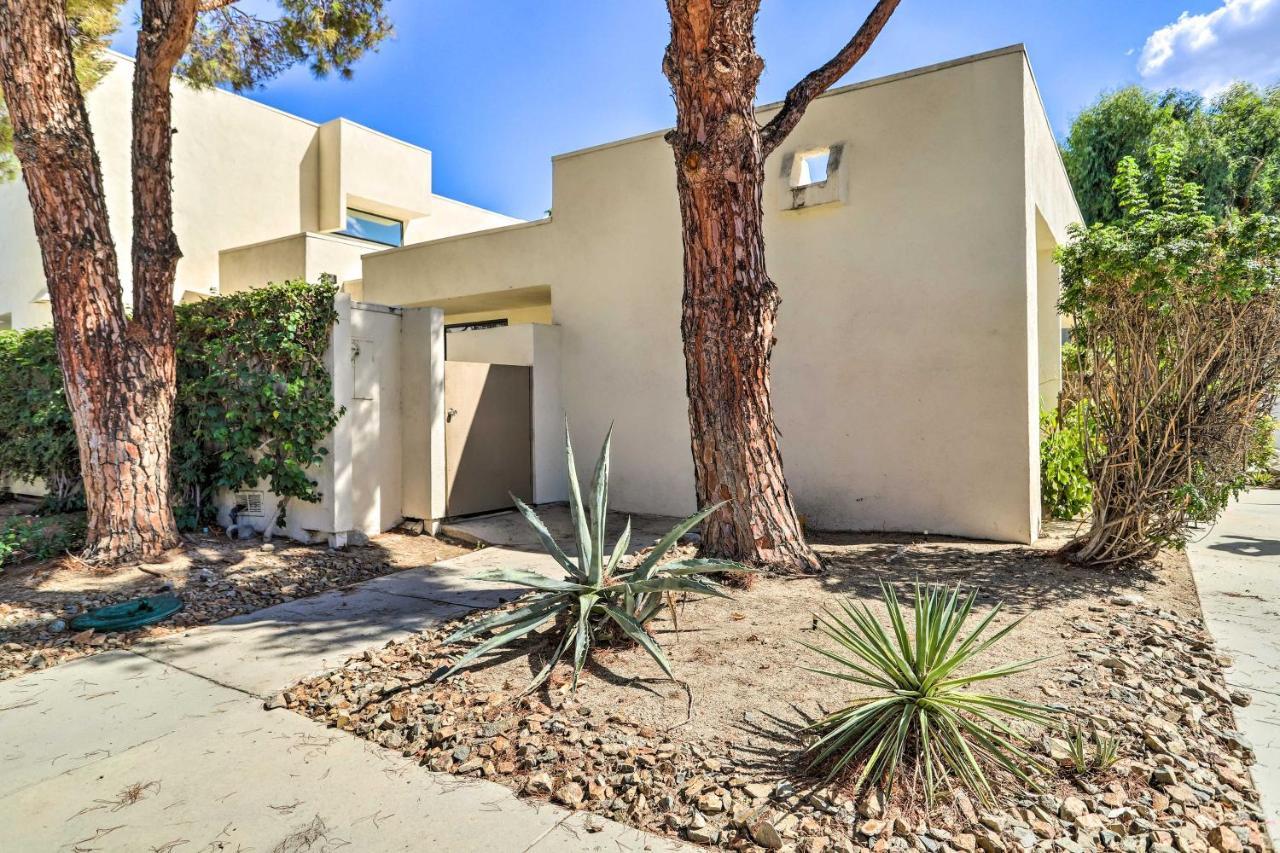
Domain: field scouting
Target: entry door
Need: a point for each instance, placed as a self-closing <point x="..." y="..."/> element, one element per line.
<point x="487" y="436"/>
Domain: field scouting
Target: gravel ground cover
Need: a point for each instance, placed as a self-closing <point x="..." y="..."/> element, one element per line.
<point x="712" y="758"/>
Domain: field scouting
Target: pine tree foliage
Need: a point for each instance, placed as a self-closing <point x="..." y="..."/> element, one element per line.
<point x="232" y="46"/>
<point x="93" y="23"/>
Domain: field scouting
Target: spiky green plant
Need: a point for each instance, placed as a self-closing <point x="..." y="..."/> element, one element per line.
<point x="922" y="713"/>
<point x="1106" y="750"/>
<point x="597" y="596"/>
<point x="1078" y="749"/>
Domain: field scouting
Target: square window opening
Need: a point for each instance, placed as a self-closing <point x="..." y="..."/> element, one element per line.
<point x="811" y="168"/>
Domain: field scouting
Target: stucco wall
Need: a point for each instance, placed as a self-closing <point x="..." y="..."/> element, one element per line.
<point x="299" y="256"/>
<point x="373" y="415"/>
<point x="903" y="377"/>
<point x="906" y="373"/>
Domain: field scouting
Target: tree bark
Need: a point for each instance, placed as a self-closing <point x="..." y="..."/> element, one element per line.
<point x="118" y="373"/>
<point x="730" y="304"/>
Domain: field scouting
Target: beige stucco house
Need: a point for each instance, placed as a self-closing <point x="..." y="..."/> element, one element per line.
<point x="246" y="175"/>
<point x="910" y="224"/>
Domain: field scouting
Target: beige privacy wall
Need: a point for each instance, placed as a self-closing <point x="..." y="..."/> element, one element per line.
<point x="385" y="458"/>
<point x="907" y="373"/>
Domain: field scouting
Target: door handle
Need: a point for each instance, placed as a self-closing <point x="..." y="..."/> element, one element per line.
<point x="448" y="416"/>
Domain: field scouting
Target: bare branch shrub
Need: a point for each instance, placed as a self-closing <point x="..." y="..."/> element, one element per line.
<point x="1177" y="326"/>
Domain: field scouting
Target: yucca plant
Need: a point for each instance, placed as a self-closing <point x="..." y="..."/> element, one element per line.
<point x="1106" y="750"/>
<point x="1078" y="749"/>
<point x="598" y="597"/>
<point x="922" y="714"/>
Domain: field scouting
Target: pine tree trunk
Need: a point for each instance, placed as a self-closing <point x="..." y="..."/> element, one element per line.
<point x="730" y="304"/>
<point x="118" y="374"/>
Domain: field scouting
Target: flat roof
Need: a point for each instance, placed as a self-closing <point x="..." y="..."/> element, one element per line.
<point x="1018" y="48"/>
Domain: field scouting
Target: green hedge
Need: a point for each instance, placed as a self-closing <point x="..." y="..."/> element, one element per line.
<point x="37" y="439"/>
<point x="254" y="402"/>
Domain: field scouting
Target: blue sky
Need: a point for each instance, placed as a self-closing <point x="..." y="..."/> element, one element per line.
<point x="496" y="87"/>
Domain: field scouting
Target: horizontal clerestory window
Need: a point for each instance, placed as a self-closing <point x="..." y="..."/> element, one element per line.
<point x="375" y="228"/>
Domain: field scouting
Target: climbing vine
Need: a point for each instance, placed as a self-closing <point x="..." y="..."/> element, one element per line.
<point x="254" y="404"/>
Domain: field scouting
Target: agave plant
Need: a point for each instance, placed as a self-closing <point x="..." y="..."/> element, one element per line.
<point x="597" y="596"/>
<point x="922" y="713"/>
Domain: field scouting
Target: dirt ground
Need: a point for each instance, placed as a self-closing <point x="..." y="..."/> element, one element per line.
<point x="216" y="578"/>
<point x="745" y="653"/>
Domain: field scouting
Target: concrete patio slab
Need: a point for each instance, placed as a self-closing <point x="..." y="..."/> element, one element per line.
<point x="218" y="770"/>
<point x="167" y="747"/>
<point x="1237" y="572"/>
<point x="81" y="713"/>
<point x="262" y="653"/>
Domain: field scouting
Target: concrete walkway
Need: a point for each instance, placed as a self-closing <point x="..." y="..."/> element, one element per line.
<point x="166" y="747"/>
<point x="1237" y="571"/>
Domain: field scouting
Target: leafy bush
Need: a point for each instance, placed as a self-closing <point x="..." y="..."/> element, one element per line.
<point x="254" y="400"/>
<point x="1178" y="318"/>
<point x="1065" y="490"/>
<point x="23" y="538"/>
<point x="921" y="716"/>
<point x="1262" y="462"/>
<point x="598" y="598"/>
<point x="1230" y="145"/>
<point x="37" y="438"/>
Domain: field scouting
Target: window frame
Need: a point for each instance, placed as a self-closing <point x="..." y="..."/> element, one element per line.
<point x="388" y="220"/>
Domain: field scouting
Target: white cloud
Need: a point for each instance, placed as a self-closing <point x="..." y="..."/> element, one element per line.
<point x="1238" y="41"/>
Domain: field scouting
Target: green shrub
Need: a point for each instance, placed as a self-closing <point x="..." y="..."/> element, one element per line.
<point x="1065" y="490"/>
<point x="254" y="400"/>
<point x="921" y="715"/>
<point x="37" y="438"/>
<point x="597" y="598"/>
<point x="1177" y="316"/>
<point x="1262" y="452"/>
<point x="23" y="538"/>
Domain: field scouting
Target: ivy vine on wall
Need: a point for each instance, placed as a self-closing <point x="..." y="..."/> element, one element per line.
<point x="255" y="399"/>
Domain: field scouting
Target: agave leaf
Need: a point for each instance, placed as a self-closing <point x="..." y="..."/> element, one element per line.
<point x="637" y="632"/>
<point x="515" y="632"/>
<point x="569" y="637"/>
<point x="600" y="509"/>
<point x="582" y="532"/>
<point x="545" y="604"/>
<point x="703" y="566"/>
<point x="524" y="577"/>
<point x="619" y="550"/>
<point x="547" y="540"/>
<point x="666" y="584"/>
<point x="664" y="544"/>
<point x="582" y="644"/>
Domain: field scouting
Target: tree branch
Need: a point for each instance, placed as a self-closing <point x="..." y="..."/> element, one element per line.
<point x="211" y="5"/>
<point x="821" y="79"/>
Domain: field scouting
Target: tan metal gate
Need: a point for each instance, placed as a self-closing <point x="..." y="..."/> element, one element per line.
<point x="487" y="436"/>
